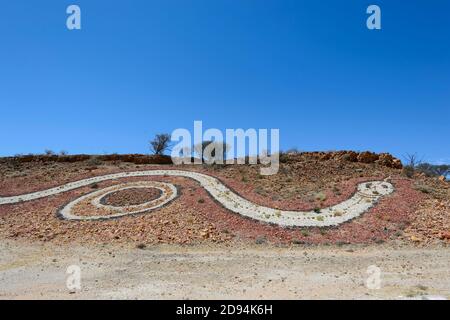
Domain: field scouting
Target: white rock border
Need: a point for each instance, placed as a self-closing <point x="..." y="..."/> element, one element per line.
<point x="367" y="195"/>
<point x="95" y="199"/>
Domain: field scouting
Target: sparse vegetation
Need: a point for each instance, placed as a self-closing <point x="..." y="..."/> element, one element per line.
<point x="411" y="163"/>
<point x="49" y="152"/>
<point x="212" y="151"/>
<point x="261" y="240"/>
<point x="423" y="188"/>
<point x="432" y="170"/>
<point x="336" y="190"/>
<point x="160" y="143"/>
<point x="283" y="157"/>
<point x="320" y="196"/>
<point x="94" y="161"/>
<point x="260" y="190"/>
<point x="306" y="182"/>
<point x="293" y="150"/>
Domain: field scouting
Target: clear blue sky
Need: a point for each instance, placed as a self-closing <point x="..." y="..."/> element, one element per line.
<point x="310" y="68"/>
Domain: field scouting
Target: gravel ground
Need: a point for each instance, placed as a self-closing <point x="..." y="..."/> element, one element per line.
<point x="194" y="217"/>
<point x="418" y="211"/>
<point x="194" y="248"/>
<point x="38" y="271"/>
<point x="131" y="197"/>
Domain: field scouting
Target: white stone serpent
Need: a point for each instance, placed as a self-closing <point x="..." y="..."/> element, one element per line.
<point x="366" y="196"/>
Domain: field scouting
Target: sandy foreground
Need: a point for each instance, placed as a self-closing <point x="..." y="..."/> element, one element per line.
<point x="38" y="271"/>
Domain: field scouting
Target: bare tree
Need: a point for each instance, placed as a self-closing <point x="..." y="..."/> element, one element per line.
<point x="412" y="160"/>
<point x="411" y="163"/>
<point x="160" y="143"/>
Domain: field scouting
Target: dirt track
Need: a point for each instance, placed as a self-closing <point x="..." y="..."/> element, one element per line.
<point x="206" y="272"/>
<point x="196" y="249"/>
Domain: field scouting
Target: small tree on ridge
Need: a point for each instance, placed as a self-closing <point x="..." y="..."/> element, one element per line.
<point x="160" y="143"/>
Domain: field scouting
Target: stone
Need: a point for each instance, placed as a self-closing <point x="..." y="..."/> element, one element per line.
<point x="368" y="157"/>
<point x="445" y="236"/>
<point x="360" y="202"/>
<point x="397" y="164"/>
<point x="387" y="160"/>
<point x="350" y="156"/>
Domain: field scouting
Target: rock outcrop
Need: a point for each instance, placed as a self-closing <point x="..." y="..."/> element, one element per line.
<point x="383" y="159"/>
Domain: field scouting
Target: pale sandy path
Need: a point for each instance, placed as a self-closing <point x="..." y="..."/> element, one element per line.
<point x="203" y="272"/>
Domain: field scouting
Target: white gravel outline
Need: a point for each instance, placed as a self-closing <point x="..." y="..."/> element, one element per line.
<point x="66" y="211"/>
<point x="367" y="195"/>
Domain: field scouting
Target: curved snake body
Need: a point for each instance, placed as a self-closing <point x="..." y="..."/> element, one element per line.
<point x="366" y="196"/>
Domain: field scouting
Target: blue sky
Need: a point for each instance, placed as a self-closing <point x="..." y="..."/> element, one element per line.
<point x="310" y="68"/>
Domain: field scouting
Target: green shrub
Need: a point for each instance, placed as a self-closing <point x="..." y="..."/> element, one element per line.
<point x="432" y="170"/>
